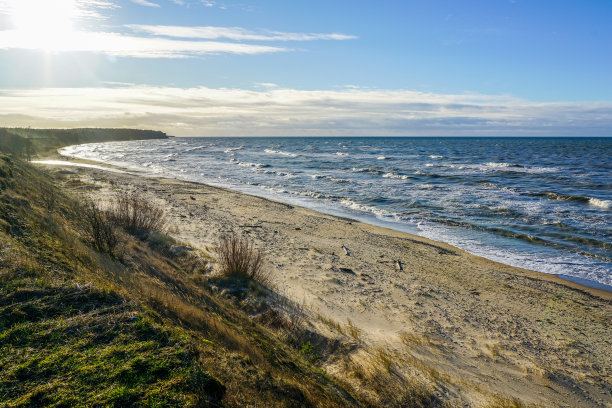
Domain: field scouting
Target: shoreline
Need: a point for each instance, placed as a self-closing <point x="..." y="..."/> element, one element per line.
<point x="592" y="287"/>
<point x="485" y="327"/>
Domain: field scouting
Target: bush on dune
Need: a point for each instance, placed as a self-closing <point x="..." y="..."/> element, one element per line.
<point x="239" y="258"/>
<point x="136" y="215"/>
<point x="99" y="228"/>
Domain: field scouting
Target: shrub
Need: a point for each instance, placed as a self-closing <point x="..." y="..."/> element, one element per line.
<point x="137" y="215"/>
<point x="48" y="197"/>
<point x="238" y="257"/>
<point x="99" y="227"/>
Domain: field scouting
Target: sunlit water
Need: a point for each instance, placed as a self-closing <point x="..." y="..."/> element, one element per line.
<point x="540" y="203"/>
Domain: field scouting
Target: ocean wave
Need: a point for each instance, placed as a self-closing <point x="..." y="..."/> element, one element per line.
<point x="433" y="156"/>
<point x="382" y="158"/>
<point x="368" y="170"/>
<point x="600" y="203"/>
<point x="593" y="201"/>
<point x="280" y="152"/>
<point x="255" y="165"/>
<point x="193" y="149"/>
<point x="458" y="166"/>
<point x="341" y="154"/>
<point x="170" y="157"/>
<point x="368" y="209"/>
<point x="396" y="176"/>
<point x="519" y="168"/>
<point x="537" y="240"/>
<point x="277" y="173"/>
<point x="231" y="150"/>
<point x="319" y="195"/>
<point x="493" y="164"/>
<point x="497" y="186"/>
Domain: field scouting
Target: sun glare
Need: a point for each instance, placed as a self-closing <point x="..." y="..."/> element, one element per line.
<point x="45" y="24"/>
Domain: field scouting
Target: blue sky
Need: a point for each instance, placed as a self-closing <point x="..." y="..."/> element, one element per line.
<point x="203" y="67"/>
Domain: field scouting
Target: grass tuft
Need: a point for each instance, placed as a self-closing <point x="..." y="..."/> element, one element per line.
<point x="137" y="215"/>
<point x="99" y="228"/>
<point x="238" y="257"/>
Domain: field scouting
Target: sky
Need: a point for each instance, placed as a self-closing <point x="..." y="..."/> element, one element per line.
<point x="315" y="68"/>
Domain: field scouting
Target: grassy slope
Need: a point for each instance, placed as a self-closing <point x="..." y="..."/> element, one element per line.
<point x="79" y="328"/>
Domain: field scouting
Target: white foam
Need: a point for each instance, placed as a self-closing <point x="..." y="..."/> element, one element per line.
<point x="396" y="176"/>
<point x="492" y="164"/>
<point x="341" y="154"/>
<point x="73" y="164"/>
<point x="433" y="156"/>
<point x="367" y="209"/>
<point x="596" y="202"/>
<point x="256" y="165"/>
<point x="382" y="158"/>
<point x="280" y="152"/>
<point x="193" y="149"/>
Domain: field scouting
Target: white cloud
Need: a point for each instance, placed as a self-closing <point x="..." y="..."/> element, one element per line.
<point x="234" y="33"/>
<point x="267" y="85"/>
<point x="128" y="46"/>
<point x="145" y="3"/>
<point x="289" y="112"/>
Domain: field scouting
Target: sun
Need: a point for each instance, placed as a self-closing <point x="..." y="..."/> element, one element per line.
<point x="45" y="24"/>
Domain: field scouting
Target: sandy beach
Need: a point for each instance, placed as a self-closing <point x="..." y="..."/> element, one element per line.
<point x="486" y="328"/>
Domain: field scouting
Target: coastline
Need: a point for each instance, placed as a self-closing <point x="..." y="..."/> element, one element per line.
<point x="489" y="328"/>
<point x="592" y="287"/>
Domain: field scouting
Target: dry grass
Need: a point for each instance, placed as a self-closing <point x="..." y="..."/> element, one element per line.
<point x="99" y="228"/>
<point x="238" y="257"/>
<point x="137" y="215"/>
<point x="505" y="402"/>
<point x="382" y="379"/>
<point x="352" y="330"/>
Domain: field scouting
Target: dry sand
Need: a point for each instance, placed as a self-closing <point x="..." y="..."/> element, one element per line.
<point x="488" y="328"/>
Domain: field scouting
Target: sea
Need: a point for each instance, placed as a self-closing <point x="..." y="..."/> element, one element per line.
<point x="543" y="204"/>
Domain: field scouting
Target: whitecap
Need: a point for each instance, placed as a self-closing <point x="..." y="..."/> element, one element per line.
<point x="280" y="152"/>
<point x="596" y="202"/>
<point x="396" y="176"/>
<point x="231" y="150"/>
<point x="433" y="156"/>
<point x="256" y="165"/>
<point x="193" y="149"/>
<point x="365" y="170"/>
<point x="493" y="164"/>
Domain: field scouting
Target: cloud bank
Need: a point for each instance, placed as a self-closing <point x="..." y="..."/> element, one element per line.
<point x="121" y="45"/>
<point x="288" y="112"/>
